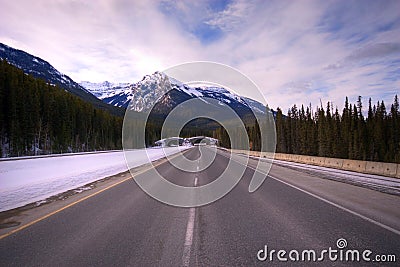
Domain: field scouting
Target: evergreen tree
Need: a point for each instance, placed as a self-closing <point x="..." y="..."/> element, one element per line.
<point x="39" y="118"/>
<point x="347" y="135"/>
<point x="280" y="132"/>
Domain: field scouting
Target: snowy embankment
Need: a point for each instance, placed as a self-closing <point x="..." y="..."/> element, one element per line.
<point x="24" y="181"/>
<point x="375" y="182"/>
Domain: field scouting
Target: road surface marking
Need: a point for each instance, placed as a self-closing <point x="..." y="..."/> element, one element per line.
<point x="61" y="209"/>
<point x="187" y="247"/>
<point x="325" y="200"/>
<point x="340" y="207"/>
<point x="84" y="198"/>
<point x="189" y="237"/>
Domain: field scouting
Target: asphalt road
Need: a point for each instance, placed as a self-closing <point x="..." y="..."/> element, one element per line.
<point x="123" y="226"/>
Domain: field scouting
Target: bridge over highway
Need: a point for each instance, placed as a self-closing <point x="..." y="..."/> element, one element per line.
<point x="180" y="141"/>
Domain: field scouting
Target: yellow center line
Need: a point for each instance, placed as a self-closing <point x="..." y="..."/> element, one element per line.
<point x="85" y="198"/>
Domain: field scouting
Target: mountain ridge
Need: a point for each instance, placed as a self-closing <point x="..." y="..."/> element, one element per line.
<point x="42" y="69"/>
<point x="116" y="97"/>
<point x="142" y="95"/>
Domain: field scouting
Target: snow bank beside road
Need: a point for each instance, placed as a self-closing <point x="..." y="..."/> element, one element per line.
<point x="25" y="181"/>
<point x="379" y="183"/>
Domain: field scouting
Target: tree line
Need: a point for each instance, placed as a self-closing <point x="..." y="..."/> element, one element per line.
<point x="329" y="133"/>
<point x="40" y="118"/>
<point x="349" y="134"/>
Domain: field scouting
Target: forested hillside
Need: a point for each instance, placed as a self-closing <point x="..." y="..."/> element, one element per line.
<point x="329" y="133"/>
<point x="42" y="69"/>
<point x="38" y="118"/>
<point x="349" y="134"/>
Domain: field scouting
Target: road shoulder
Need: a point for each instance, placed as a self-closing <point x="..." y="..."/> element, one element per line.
<point x="378" y="207"/>
<point x="17" y="219"/>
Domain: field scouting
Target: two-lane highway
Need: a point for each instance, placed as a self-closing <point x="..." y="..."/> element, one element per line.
<point x="123" y="226"/>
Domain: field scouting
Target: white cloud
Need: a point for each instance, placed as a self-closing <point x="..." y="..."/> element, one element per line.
<point x="97" y="40"/>
<point x="233" y="15"/>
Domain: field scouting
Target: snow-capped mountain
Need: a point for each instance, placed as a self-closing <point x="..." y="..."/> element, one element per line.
<point x="104" y="89"/>
<point x="114" y="96"/>
<point x="144" y="93"/>
<point x="153" y="88"/>
<point x="42" y="69"/>
<point x="36" y="66"/>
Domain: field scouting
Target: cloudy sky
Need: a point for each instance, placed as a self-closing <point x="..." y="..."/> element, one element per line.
<point x="297" y="52"/>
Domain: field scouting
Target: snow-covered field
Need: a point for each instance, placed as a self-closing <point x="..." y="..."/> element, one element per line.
<point x="28" y="180"/>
